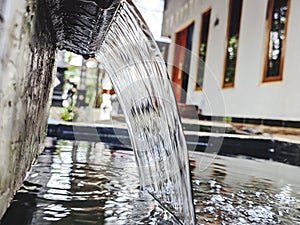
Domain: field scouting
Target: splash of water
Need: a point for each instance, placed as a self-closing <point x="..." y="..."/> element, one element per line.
<point x="139" y="75"/>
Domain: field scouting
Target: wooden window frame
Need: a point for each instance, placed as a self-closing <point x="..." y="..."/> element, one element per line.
<point x="205" y="13"/>
<point x="231" y="84"/>
<point x="269" y="19"/>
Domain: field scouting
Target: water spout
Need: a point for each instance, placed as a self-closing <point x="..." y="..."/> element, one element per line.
<point x="80" y="25"/>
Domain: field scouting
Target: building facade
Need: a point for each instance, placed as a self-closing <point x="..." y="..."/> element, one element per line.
<point x="236" y="58"/>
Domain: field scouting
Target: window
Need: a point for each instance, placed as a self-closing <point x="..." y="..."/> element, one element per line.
<point x="203" y="48"/>
<point x="277" y="12"/>
<point x="234" y="20"/>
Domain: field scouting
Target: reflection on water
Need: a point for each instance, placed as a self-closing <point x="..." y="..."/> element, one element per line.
<point x="79" y="183"/>
<point x="85" y="183"/>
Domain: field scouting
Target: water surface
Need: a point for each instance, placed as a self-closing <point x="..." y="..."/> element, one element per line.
<point x="86" y="183"/>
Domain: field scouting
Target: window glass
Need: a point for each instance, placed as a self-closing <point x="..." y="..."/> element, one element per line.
<point x="203" y="48"/>
<point x="277" y="18"/>
<point x="232" y="41"/>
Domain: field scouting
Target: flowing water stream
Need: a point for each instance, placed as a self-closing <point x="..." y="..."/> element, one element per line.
<point x="137" y="70"/>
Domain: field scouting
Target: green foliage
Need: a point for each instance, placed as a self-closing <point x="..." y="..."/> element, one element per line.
<point x="231" y="59"/>
<point x="202" y="51"/>
<point x="69" y="114"/>
<point x="227" y="119"/>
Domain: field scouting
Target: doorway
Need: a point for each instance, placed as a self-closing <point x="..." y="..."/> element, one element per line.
<point x="182" y="59"/>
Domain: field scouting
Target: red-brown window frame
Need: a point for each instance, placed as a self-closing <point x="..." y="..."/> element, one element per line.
<point x="267" y="41"/>
<point x="231" y="84"/>
<point x="205" y="13"/>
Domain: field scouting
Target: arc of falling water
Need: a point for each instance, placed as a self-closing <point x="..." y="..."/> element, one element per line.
<point x="139" y="75"/>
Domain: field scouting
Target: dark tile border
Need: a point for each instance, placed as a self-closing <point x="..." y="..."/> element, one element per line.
<point x="267" y="122"/>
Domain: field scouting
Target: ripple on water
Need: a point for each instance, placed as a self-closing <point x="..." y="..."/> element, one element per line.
<point x="87" y="184"/>
<point x="242" y="206"/>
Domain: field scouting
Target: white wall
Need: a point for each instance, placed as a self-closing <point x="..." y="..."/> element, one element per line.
<point x="249" y="97"/>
